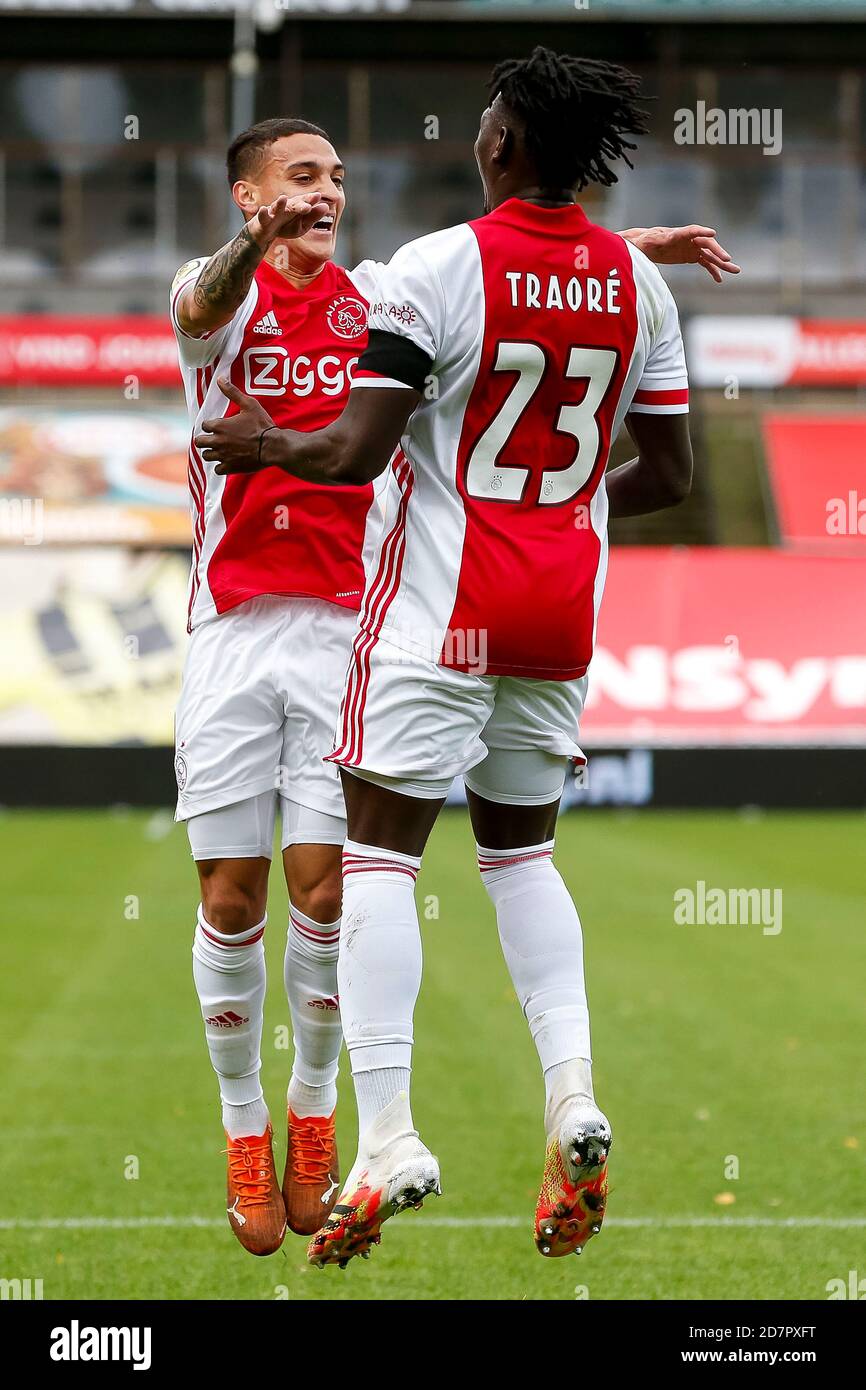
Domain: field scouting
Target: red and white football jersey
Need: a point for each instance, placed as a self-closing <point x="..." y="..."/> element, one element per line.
<point x="269" y="533"/>
<point x="542" y="330"/>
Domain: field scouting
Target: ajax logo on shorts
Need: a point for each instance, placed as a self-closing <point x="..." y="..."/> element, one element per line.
<point x="180" y="771"/>
<point x="347" y="317"/>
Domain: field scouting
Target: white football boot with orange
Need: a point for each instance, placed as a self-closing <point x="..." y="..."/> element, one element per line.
<point x="573" y="1196"/>
<point x="393" y="1171"/>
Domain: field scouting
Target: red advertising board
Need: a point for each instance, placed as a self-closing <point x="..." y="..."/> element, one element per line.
<point x="769" y="350"/>
<point x="729" y="646"/>
<point x="776" y="350"/>
<point x="817" y="468"/>
<point x="59" y="350"/>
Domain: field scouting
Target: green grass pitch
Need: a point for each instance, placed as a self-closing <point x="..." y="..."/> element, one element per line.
<point x="714" y="1045"/>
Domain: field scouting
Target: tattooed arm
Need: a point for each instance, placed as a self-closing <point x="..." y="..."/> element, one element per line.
<point x="215" y="297"/>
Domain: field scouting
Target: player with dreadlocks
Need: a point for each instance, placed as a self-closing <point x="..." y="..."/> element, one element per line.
<point x="503" y="357"/>
<point x="570" y="114"/>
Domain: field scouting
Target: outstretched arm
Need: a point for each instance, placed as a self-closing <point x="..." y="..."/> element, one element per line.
<point x="692" y="245"/>
<point x="221" y="288"/>
<point x="351" y="451"/>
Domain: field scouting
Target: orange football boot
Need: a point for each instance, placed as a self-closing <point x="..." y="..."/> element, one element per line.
<point x="573" y="1196"/>
<point x="255" y="1207"/>
<point x="312" y="1177"/>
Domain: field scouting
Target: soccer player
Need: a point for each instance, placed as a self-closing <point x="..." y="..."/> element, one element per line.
<point x="276" y="582"/>
<point x="277" y="575"/>
<point x="503" y="357"/>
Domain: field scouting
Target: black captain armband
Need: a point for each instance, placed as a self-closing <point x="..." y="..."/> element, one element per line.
<point x="389" y="355"/>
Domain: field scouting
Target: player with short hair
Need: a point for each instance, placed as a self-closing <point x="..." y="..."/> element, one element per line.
<point x="277" y="575"/>
<point x="504" y="354"/>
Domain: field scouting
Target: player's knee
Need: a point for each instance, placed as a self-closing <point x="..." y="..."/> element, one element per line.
<point x="232" y="905"/>
<point x="321" y="898"/>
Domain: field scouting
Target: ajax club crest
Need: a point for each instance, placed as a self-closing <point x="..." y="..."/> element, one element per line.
<point x="347" y="317"/>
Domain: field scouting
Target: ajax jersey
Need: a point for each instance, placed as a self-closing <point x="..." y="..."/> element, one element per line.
<point x="542" y="330"/>
<point x="268" y="533"/>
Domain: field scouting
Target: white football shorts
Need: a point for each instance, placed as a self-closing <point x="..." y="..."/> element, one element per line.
<point x="245" y="830"/>
<point x="259" y="703"/>
<point x="408" y="719"/>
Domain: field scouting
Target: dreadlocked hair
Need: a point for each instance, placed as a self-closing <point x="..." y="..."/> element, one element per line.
<point x="575" y="113"/>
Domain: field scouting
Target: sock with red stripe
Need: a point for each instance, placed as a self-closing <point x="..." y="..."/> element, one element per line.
<point x="379" y="972"/>
<point x="542" y="943"/>
<point x="229" y="975"/>
<point x="310" y="973"/>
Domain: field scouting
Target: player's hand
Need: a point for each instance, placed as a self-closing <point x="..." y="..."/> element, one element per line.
<point x="232" y="441"/>
<point x="287" y="217"/>
<point x="692" y="245"/>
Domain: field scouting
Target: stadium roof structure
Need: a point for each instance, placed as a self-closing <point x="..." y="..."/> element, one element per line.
<point x="270" y="13"/>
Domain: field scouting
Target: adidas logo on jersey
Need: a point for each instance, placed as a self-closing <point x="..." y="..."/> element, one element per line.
<point x="227" y="1020"/>
<point x="267" y="324"/>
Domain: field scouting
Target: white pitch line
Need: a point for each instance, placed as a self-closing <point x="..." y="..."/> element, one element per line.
<point x="636" y="1223"/>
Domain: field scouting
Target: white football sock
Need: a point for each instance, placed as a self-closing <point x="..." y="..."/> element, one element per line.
<point x="563" y="1083"/>
<point x="304" y="1100"/>
<point x="310" y="973"/>
<point x="229" y="974"/>
<point x="379" y="972"/>
<point x="543" y="947"/>
<point x="375" y="1090"/>
<point x="240" y="1121"/>
<point x="389" y="1129"/>
<point x="389" y="1125"/>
